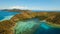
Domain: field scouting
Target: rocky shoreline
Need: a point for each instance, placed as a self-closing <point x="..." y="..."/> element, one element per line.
<point x="7" y="26"/>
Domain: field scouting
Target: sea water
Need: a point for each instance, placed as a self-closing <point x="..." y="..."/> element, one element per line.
<point x="6" y="15"/>
<point x="34" y="25"/>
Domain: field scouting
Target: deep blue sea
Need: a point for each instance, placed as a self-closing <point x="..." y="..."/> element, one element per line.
<point x="46" y="10"/>
<point x="3" y="14"/>
<point x="42" y="29"/>
<point x="45" y="29"/>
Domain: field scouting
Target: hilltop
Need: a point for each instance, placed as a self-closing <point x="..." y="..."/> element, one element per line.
<point x="16" y="10"/>
<point x="50" y="17"/>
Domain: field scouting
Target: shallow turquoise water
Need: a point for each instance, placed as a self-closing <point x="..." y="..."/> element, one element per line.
<point x="23" y="26"/>
<point x="32" y="26"/>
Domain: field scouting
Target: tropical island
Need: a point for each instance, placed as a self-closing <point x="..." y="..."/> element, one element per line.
<point x="7" y="26"/>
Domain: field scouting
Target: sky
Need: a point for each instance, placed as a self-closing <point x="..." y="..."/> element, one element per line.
<point x="30" y="4"/>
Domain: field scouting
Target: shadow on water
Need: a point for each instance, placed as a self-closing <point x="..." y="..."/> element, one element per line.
<point x="50" y="31"/>
<point x="45" y="29"/>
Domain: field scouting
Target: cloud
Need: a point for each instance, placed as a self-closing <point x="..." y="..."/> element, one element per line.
<point x="25" y="8"/>
<point x="19" y="7"/>
<point x="30" y="8"/>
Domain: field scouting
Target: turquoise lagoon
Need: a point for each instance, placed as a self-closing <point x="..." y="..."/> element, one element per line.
<point x="31" y="26"/>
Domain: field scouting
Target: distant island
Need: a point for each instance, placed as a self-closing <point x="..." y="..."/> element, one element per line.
<point x="16" y="10"/>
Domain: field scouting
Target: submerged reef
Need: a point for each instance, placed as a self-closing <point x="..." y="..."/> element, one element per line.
<point x="8" y="26"/>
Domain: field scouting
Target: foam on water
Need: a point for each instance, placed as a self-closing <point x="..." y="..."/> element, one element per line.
<point x="7" y="17"/>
